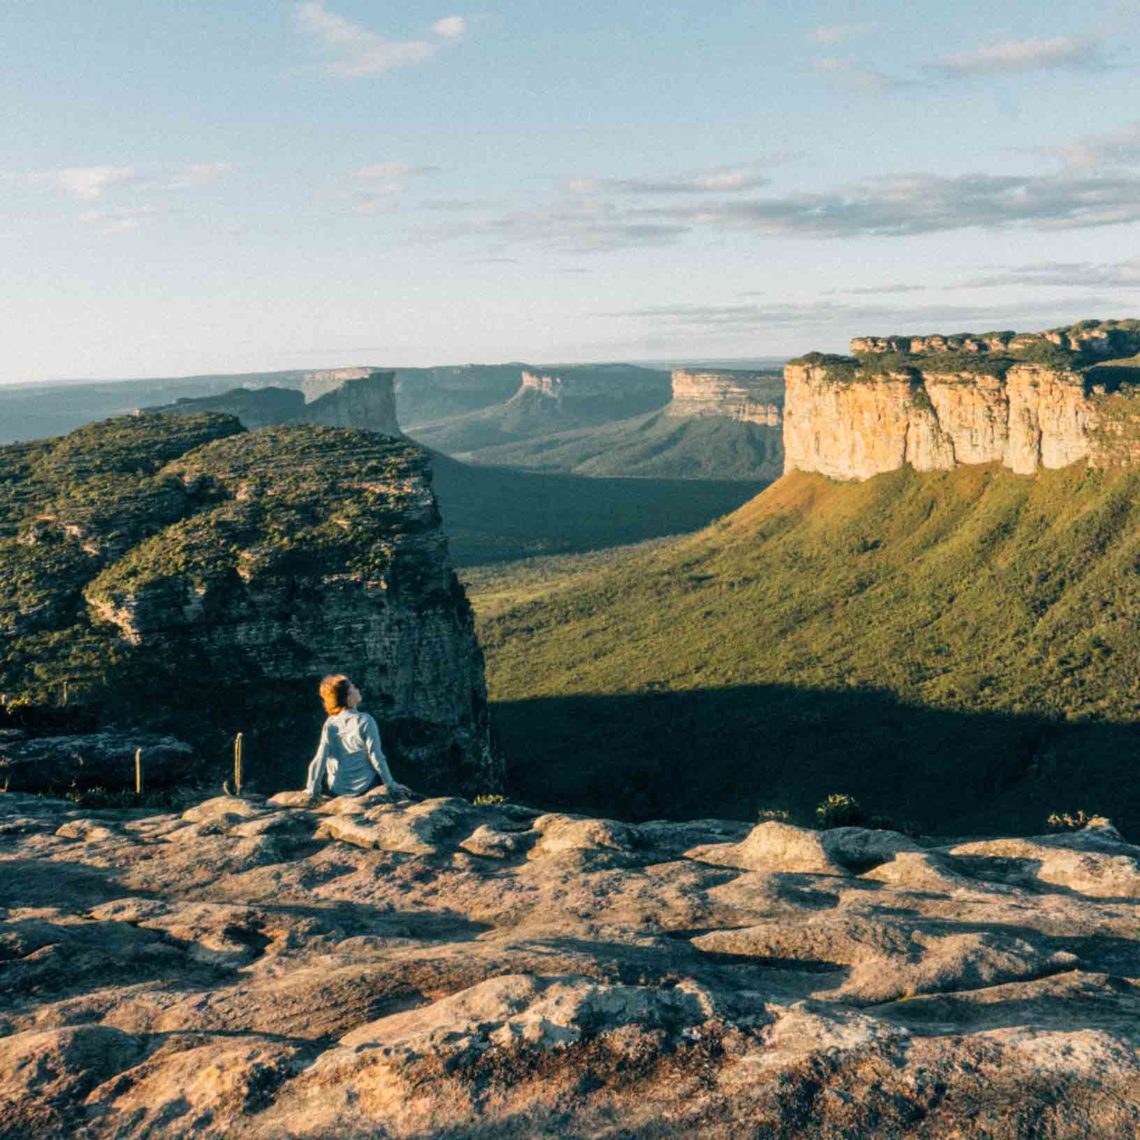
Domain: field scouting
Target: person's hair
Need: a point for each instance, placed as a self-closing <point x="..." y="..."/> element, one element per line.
<point x="334" y="692"/>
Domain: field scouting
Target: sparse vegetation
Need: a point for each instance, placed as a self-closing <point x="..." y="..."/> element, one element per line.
<point x="976" y="653"/>
<point x="489" y="800"/>
<point x="839" y="810"/>
<point x="1067" y="821"/>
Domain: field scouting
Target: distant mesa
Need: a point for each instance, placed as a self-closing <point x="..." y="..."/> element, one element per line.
<point x="362" y="398"/>
<point x="750" y="397"/>
<point x="1026" y="401"/>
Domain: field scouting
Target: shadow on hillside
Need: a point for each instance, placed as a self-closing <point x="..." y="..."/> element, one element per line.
<point x="731" y="752"/>
<point x="498" y="514"/>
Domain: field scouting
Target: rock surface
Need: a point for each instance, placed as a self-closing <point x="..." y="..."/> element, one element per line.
<point x="252" y="969"/>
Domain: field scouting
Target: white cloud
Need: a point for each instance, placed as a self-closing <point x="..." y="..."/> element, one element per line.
<point x="353" y="50"/>
<point x="1080" y="52"/>
<point x="450" y="27"/>
<point x="88" y="183"/>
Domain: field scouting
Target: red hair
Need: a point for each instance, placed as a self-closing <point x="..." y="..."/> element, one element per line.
<point x="334" y="693"/>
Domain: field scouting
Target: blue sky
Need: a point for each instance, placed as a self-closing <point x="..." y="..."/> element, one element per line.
<point x="274" y="184"/>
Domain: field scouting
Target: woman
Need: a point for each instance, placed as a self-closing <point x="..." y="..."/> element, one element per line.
<point x="349" y="757"/>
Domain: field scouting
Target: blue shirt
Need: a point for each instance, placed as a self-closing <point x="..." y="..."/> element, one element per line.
<point x="349" y="756"/>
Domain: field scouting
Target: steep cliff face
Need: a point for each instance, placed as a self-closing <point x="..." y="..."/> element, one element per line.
<point x="344" y="397"/>
<point x="751" y="397"/>
<point x="229" y="572"/>
<point x="853" y="429"/>
<point x="851" y="418"/>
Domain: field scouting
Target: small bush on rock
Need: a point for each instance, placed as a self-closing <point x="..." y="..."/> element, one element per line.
<point x="839" y="810"/>
<point x="1067" y="821"/>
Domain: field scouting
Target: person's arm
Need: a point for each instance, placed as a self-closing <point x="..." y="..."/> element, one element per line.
<point x="319" y="764"/>
<point x="376" y="754"/>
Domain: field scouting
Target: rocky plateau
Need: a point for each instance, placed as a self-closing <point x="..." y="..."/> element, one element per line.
<point x="358" y="967"/>
<point x="940" y="402"/>
<point x="750" y="397"/>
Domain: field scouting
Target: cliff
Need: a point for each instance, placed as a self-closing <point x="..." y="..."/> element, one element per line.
<point x="249" y="969"/>
<point x="750" y="397"/>
<point x="343" y="397"/>
<point x="936" y="408"/>
<point x="228" y="571"/>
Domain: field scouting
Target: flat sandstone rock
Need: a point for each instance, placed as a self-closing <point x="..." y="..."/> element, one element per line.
<point x="261" y="968"/>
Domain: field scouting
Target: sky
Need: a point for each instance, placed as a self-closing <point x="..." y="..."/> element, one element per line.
<point x="275" y="184"/>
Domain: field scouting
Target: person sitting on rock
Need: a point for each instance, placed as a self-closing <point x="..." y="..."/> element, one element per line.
<point x="349" y="757"/>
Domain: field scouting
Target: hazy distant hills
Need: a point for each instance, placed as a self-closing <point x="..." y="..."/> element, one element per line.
<point x="657" y="445"/>
<point x="37" y="411"/>
<point x="958" y="648"/>
<point x="548" y="401"/>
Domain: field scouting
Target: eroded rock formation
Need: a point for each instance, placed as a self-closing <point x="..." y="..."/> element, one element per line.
<point x="250" y="969"/>
<point x="182" y="574"/>
<point x="751" y="397"/>
<point x="1102" y="339"/>
<point x="852" y="418"/>
<point x="341" y="397"/>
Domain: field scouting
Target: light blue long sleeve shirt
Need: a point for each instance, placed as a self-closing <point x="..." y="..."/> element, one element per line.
<point x="349" y="756"/>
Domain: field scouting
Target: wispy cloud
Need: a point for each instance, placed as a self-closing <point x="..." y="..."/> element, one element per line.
<point x="1063" y="274"/>
<point x="842" y="318"/>
<point x="722" y="180"/>
<point x="1084" y="53"/>
<point x="839" y="33"/>
<point x="450" y="27"/>
<point x="353" y="51"/>
<point x="860" y="77"/>
<point x="379" y="182"/>
<point x="1107" y="149"/>
<point x="87" y="183"/>
<point x="892" y="206"/>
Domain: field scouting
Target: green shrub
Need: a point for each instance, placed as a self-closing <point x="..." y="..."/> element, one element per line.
<point x="839" y="810"/>
<point x="489" y="800"/>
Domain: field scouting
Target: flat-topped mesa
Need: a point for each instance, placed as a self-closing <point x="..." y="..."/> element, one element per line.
<point x="1095" y="339"/>
<point x="1038" y="404"/>
<point x="751" y="397"/>
<point x="361" y="398"/>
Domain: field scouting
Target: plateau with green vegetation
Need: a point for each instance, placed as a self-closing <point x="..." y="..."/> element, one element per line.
<point x="959" y="649"/>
